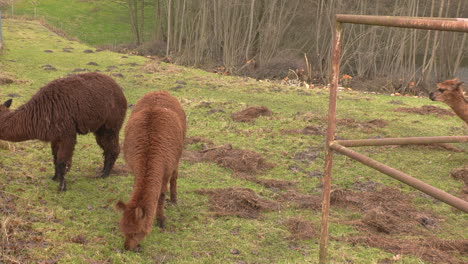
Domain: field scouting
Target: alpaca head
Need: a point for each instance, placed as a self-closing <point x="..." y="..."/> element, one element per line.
<point x="5" y="107"/>
<point x="448" y="91"/>
<point x="132" y="224"/>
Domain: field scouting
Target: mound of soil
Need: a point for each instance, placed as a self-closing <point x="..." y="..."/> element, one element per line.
<point x="307" y="156"/>
<point x="462" y="174"/>
<point x="7" y="145"/>
<point x="387" y="211"/>
<point x="445" y="146"/>
<point x="389" y="214"/>
<point x="251" y="113"/>
<point x="300" y="228"/>
<point x="18" y="236"/>
<point x="241" y="202"/>
<point x="302" y="201"/>
<point x="119" y="169"/>
<point x="196" y="139"/>
<point x="365" y="125"/>
<point x="430" y="249"/>
<point x="425" y="110"/>
<point x="238" y="160"/>
<point x="6" y="80"/>
<point x="308" y="130"/>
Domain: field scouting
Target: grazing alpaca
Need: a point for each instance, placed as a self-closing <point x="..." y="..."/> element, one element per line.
<point x="78" y="104"/>
<point x="154" y="139"/>
<point x="451" y="93"/>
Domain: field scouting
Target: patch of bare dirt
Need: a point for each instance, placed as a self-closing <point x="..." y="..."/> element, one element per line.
<point x="307" y="156"/>
<point x="300" y="228"/>
<point x="308" y="130"/>
<point x="387" y="210"/>
<point x="303" y="201"/>
<point x="197" y="139"/>
<point x="387" y="214"/>
<point x="241" y="202"/>
<point x="238" y="160"/>
<point x="6" y="79"/>
<point x="366" y="125"/>
<point x="17" y="235"/>
<point x="79" y="239"/>
<point x="444" y="146"/>
<point x="462" y="175"/>
<point x="251" y="113"/>
<point x="425" y="110"/>
<point x="431" y="249"/>
<point x="119" y="169"/>
<point x="156" y="66"/>
<point x="367" y="186"/>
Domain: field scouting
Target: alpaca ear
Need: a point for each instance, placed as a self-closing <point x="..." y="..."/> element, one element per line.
<point x="139" y="213"/>
<point x="7" y="103"/>
<point x="457" y="86"/>
<point x="120" y="206"/>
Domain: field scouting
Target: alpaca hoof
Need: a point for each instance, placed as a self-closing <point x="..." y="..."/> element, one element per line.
<point x="62" y="187"/>
<point x="138" y="249"/>
<point x="161" y="223"/>
<point x="104" y="175"/>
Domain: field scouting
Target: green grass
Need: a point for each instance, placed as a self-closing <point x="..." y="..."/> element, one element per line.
<point x="93" y="22"/>
<point x="193" y="235"/>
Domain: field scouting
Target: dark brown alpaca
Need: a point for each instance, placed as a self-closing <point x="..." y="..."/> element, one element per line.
<point x="154" y="139"/>
<point x="78" y="104"/>
<point x="451" y="93"/>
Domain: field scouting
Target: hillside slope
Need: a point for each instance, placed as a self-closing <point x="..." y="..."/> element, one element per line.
<point x="249" y="192"/>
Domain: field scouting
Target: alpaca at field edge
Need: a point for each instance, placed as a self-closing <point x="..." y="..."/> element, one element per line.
<point x="78" y="104"/>
<point x="154" y="139"/>
<point x="451" y="93"/>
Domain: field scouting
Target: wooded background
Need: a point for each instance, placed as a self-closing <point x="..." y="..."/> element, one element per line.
<point x="271" y="38"/>
<point x="276" y="35"/>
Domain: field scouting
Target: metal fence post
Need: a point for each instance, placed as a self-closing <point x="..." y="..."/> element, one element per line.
<point x="330" y="138"/>
<point x="428" y="23"/>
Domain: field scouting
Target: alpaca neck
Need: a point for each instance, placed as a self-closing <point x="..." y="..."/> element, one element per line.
<point x="460" y="107"/>
<point x="15" y="126"/>
<point x="147" y="188"/>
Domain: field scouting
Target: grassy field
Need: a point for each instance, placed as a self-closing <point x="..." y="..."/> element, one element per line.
<point x="93" y="22"/>
<point x="41" y="225"/>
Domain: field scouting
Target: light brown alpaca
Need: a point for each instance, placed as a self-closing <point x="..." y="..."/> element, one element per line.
<point x="154" y="139"/>
<point x="451" y="93"/>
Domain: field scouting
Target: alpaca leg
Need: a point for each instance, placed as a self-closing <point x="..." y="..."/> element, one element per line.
<point x="173" y="187"/>
<point x="54" y="146"/>
<point x="108" y="140"/>
<point x="160" y="218"/>
<point x="64" y="155"/>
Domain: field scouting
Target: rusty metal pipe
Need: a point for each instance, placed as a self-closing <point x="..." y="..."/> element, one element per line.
<point x="336" y="49"/>
<point x="429" y="23"/>
<point x="401" y="141"/>
<point x="405" y="178"/>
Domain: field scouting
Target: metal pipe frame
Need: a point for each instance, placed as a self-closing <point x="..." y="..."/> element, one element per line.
<point x="404" y="178"/>
<point x="401" y="141"/>
<point x="428" y="23"/>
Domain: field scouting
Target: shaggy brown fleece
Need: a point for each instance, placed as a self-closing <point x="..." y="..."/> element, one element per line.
<point x="154" y="139"/>
<point x="78" y="104"/>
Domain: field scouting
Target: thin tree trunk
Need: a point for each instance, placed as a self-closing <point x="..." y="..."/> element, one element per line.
<point x="247" y="49"/>
<point x="169" y="19"/>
